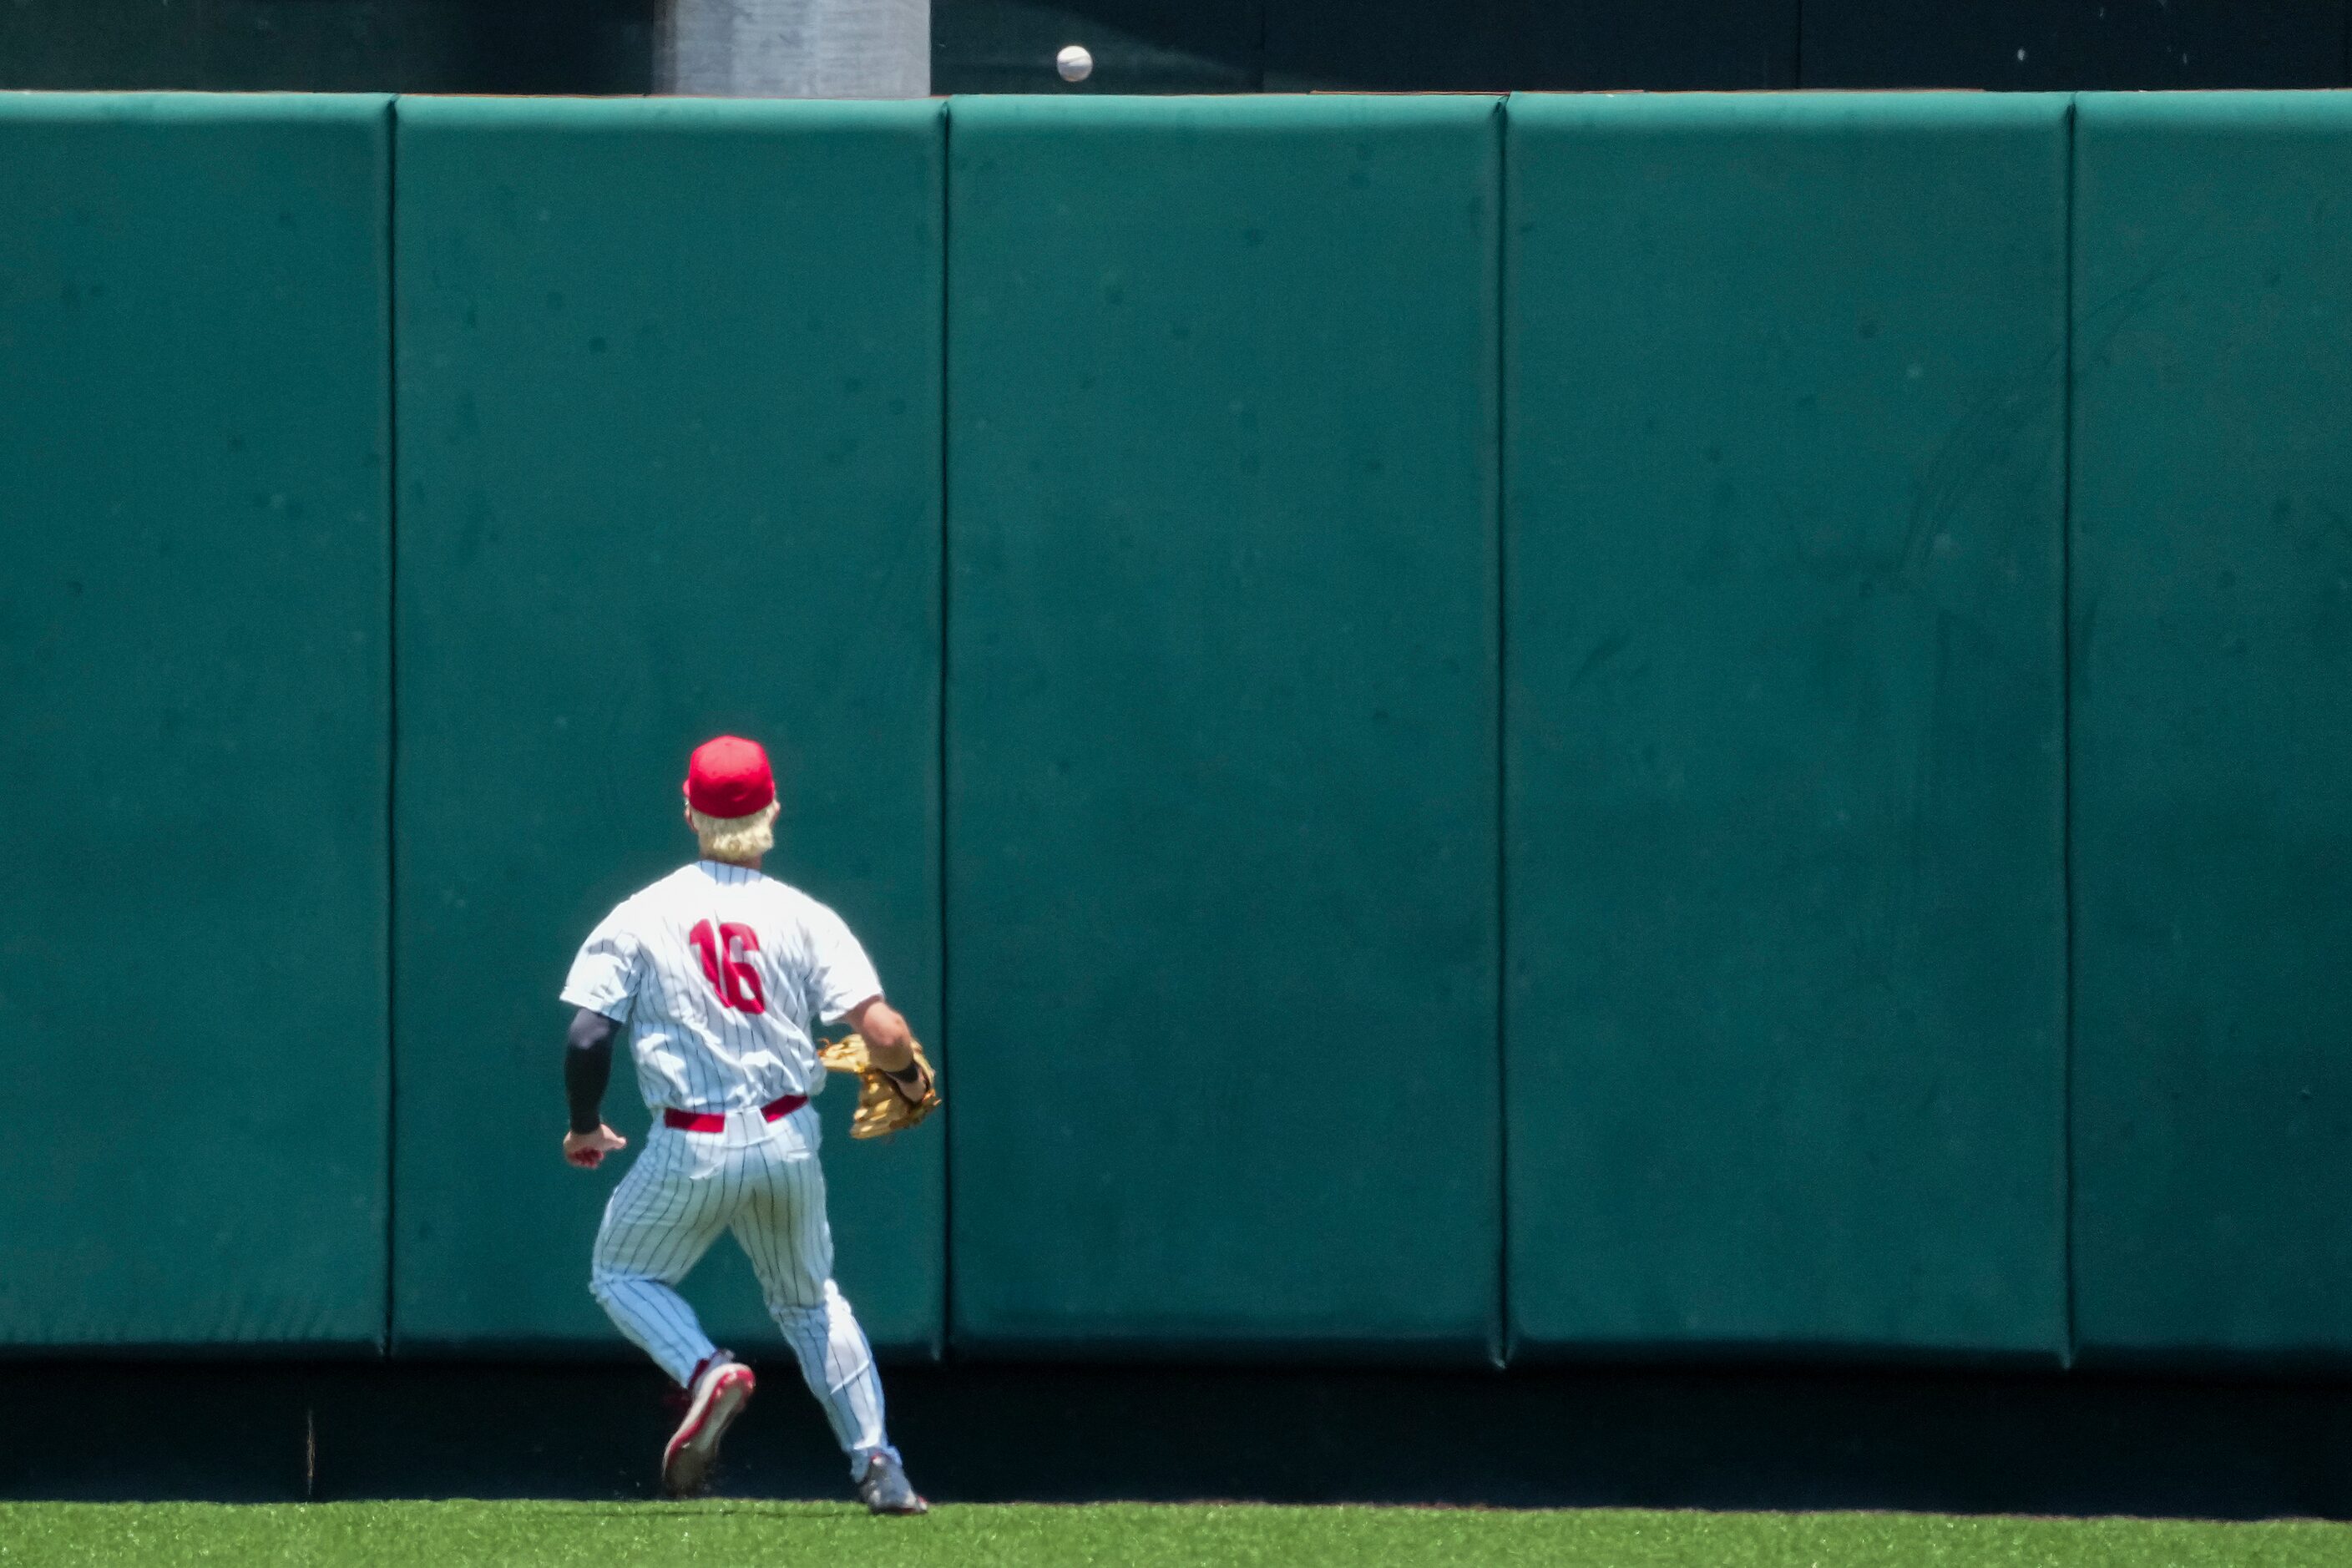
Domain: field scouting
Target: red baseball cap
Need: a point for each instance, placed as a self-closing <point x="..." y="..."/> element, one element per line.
<point x="728" y="777"/>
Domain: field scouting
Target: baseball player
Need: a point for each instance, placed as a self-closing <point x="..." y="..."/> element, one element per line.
<point x="720" y="975"/>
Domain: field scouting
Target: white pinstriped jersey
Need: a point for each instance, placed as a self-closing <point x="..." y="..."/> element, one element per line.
<point x="721" y="974"/>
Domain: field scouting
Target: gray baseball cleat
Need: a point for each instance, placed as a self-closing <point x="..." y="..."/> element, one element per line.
<point x="714" y="1395"/>
<point x="885" y="1489"/>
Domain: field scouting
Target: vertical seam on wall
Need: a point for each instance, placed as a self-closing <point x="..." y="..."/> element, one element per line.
<point x="392" y="703"/>
<point x="2066" y="736"/>
<point x="947" y="1124"/>
<point x="1501" y="1352"/>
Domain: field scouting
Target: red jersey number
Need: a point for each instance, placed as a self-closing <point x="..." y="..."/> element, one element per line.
<point x="737" y="982"/>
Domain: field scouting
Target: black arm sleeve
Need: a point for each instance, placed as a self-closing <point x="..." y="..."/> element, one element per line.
<point x="587" y="1067"/>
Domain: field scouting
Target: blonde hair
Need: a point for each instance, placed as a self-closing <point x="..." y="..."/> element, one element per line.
<point x="735" y="837"/>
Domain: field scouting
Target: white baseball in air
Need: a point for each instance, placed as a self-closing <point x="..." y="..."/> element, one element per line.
<point x="1075" y="63"/>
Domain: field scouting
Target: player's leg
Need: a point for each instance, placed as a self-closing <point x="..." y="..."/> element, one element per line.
<point x="669" y="1208"/>
<point x="839" y="1367"/>
<point x="784" y="1230"/>
<point x="662" y="1218"/>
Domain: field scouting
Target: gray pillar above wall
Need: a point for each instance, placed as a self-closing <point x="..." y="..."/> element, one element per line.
<point x="793" y="48"/>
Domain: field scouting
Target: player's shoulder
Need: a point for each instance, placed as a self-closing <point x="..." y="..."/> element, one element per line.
<point x="796" y="908"/>
<point x="655" y="897"/>
<point x="796" y="902"/>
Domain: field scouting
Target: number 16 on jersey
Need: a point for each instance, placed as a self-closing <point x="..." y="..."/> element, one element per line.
<point x="723" y="964"/>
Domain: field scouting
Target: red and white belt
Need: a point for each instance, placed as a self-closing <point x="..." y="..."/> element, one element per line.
<point x="704" y="1122"/>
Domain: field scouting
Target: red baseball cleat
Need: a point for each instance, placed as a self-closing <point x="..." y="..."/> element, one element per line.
<point x="718" y="1390"/>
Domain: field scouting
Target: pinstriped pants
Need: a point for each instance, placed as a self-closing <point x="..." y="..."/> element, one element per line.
<point x="760" y="1179"/>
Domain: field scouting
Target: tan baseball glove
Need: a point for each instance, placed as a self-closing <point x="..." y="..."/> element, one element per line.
<point x="883" y="1105"/>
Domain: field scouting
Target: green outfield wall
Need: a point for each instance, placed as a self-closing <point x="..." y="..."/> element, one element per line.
<point x="1541" y="728"/>
<point x="669" y="434"/>
<point x="195" y="677"/>
<point x="1222" y="767"/>
<point x="1785" y="1035"/>
<point x="2212" y="740"/>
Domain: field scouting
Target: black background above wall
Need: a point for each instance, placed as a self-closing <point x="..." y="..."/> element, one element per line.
<point x="329" y="46"/>
<point x="600" y="47"/>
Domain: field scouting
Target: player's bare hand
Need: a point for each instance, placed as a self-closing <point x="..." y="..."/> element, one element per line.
<point x="587" y="1150"/>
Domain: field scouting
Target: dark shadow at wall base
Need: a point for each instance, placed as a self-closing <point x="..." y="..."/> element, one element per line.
<point x="1719" y="1440"/>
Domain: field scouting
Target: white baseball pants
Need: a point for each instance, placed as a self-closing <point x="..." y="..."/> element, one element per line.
<point x="760" y="1179"/>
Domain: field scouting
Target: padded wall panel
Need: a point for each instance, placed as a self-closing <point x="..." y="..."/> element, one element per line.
<point x="193" y="611"/>
<point x="2213" y="657"/>
<point x="669" y="408"/>
<point x="1221" y="789"/>
<point x="1785" y="1013"/>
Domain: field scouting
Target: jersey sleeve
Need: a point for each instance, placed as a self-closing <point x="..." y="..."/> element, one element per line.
<point x="840" y="974"/>
<point x="605" y="977"/>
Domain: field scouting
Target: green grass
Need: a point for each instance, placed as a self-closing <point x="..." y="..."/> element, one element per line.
<point x="529" y="1534"/>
